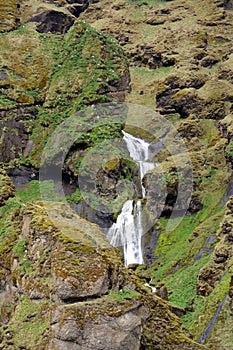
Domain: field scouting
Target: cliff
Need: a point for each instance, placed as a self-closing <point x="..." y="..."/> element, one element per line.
<point x="62" y="286"/>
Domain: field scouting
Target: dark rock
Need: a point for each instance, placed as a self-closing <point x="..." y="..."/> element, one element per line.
<point x="14" y="135"/>
<point x="148" y="56"/>
<point x="208" y="61"/>
<point x="161" y="291"/>
<point x="53" y="22"/>
<point x="76" y="10"/>
<point x="23" y="175"/>
<point x="195" y="204"/>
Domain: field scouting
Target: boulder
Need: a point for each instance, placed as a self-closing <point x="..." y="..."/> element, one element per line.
<point x="9" y="15"/>
<point x="7" y="188"/>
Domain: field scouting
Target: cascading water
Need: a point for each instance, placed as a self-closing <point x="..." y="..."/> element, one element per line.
<point x="128" y="230"/>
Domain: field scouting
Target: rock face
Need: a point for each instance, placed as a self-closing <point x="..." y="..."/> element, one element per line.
<point x="59" y="277"/>
<point x="7" y="189"/>
<point x="180" y="55"/>
<point x="9" y="15"/>
<point x="32" y="80"/>
<point x="221" y="259"/>
<point x="71" y="289"/>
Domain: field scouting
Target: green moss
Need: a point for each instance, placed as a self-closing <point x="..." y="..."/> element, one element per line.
<point x="29" y="324"/>
<point x="229" y="150"/>
<point x="32" y="191"/>
<point x="6" y="103"/>
<point x="185" y="280"/>
<point x="180" y="247"/>
<point x="9" y="225"/>
<point x="19" y="248"/>
<point x="207" y="306"/>
<point x="58" y="75"/>
<point x="122" y="295"/>
<point x="76" y="197"/>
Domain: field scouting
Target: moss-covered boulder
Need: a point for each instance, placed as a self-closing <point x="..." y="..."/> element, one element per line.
<point x="7" y="188"/>
<point x="9" y="15"/>
<point x="68" y="285"/>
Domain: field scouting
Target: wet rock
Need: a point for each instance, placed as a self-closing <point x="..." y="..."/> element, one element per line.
<point x="168" y="189"/>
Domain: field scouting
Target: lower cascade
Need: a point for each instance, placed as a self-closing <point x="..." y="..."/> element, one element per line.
<point x="127" y="232"/>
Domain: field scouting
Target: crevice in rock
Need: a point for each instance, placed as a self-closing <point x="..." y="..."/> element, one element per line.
<point x="53" y="21"/>
<point x="84" y="299"/>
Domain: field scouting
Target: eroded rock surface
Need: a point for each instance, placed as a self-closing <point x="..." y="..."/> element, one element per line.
<point x="70" y="288"/>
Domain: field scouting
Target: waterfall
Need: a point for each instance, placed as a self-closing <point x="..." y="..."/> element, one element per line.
<point x="128" y="230"/>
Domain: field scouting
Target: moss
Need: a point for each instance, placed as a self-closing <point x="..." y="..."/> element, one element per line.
<point x="229" y="150"/>
<point x="207" y="306"/>
<point x="10" y="226"/>
<point x="122" y="295"/>
<point x="7" y="188"/>
<point x="140" y="133"/>
<point x="30" y="323"/>
<point x="32" y="191"/>
<point x="58" y="75"/>
<point x="9" y="17"/>
<point x="76" y="197"/>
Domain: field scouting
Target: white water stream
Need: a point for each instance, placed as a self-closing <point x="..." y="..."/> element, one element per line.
<point x="128" y="230"/>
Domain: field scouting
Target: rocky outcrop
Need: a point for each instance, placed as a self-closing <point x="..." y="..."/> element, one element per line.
<point x="9" y="15"/>
<point x="68" y="285"/>
<point x="7" y="188"/>
<point x="39" y="90"/>
<point x="221" y="259"/>
<point x="53" y="22"/>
